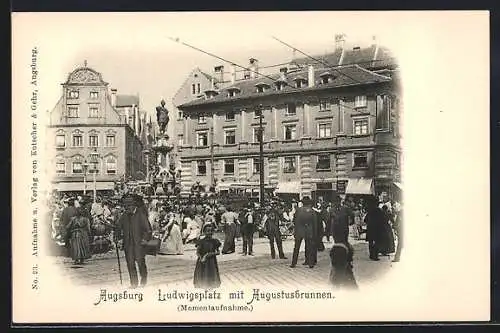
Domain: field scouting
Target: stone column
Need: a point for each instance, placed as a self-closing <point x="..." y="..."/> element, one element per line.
<point x="307" y="121"/>
<point x="186" y="132"/>
<point x="243" y="129"/>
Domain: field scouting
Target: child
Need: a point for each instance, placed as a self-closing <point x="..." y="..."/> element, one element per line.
<point x="206" y="273"/>
<point x="341" y="275"/>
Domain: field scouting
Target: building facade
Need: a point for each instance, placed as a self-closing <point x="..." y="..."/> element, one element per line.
<point x="327" y="130"/>
<point x="89" y="137"/>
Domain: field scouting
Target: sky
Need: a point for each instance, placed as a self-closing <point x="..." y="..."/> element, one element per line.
<point x="134" y="52"/>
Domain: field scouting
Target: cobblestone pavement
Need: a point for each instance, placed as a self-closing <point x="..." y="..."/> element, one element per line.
<point x="235" y="269"/>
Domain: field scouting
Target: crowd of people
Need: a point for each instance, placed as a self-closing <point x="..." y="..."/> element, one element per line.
<point x="87" y="227"/>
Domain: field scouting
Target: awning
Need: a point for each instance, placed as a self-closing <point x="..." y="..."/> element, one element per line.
<point x="360" y="186"/>
<point x="399" y="185"/>
<point x="78" y="186"/>
<point x="288" y="187"/>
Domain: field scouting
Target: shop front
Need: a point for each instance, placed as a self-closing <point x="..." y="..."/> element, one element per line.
<point x="288" y="190"/>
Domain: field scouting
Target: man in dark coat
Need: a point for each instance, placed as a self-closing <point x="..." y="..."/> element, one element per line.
<point x="305" y="221"/>
<point x="273" y="231"/>
<point x="343" y="218"/>
<point x="136" y="231"/>
<point x="374" y="220"/>
<point x="247" y="230"/>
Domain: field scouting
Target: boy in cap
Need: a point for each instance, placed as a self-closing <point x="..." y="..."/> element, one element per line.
<point x="136" y="230"/>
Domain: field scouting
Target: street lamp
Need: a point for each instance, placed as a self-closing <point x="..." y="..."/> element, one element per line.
<point x="261" y="155"/>
<point x="94" y="158"/>
<point x="85" y="166"/>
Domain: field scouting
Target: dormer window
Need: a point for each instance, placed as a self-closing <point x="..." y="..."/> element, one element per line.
<point x="262" y="87"/>
<point x="300" y="82"/>
<point x="326" y="77"/>
<point x="211" y="93"/>
<point x="232" y="91"/>
<point x="280" y="84"/>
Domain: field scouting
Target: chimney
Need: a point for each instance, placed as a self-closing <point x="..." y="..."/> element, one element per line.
<point x="219" y="73"/>
<point x="310" y="76"/>
<point x="113" y="97"/>
<point x="339" y="41"/>
<point x="254" y="68"/>
<point x="233" y="73"/>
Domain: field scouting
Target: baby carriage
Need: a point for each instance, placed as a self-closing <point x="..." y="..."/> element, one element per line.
<point x="286" y="229"/>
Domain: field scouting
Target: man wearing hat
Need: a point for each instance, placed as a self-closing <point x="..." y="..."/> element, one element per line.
<point x="305" y="221"/>
<point x="247" y="230"/>
<point x="273" y="230"/>
<point x="136" y="230"/>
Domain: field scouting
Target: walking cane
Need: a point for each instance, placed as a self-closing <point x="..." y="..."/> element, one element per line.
<point x="119" y="264"/>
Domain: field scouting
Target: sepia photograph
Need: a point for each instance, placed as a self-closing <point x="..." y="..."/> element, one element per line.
<point x="216" y="167"/>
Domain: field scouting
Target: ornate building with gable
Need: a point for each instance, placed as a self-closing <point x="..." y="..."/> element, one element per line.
<point x="88" y="133"/>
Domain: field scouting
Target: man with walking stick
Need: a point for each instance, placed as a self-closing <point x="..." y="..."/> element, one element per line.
<point x="136" y="230"/>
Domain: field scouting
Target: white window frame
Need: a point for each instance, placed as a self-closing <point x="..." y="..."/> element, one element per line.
<point x="198" y="168"/>
<point x="193" y="89"/>
<point x="97" y="140"/>
<point x="73" y="139"/>
<point x="202" y="119"/>
<point x="353" y="160"/>
<point x="326" y="102"/>
<point x="114" y="162"/>
<point x="114" y="140"/>
<point x="357" y="119"/>
<point x="287" y="109"/>
<point x="179" y="115"/>
<point x="73" y="167"/>
<point x="59" y="135"/>
<point x="360" y="101"/>
<point x="295" y="131"/>
<point x="94" y="107"/>
<point x="63" y="170"/>
<point x="319" y="130"/>
<point x="180" y="139"/>
<point x="294" y="164"/>
<point x="198" y="134"/>
<point x="330" y="160"/>
<point x="77" y="111"/>
<point x="230" y="112"/>
<point x="94" y="95"/>
<point x="73" y="96"/>
<point x="226" y="131"/>
<point x="224" y="162"/>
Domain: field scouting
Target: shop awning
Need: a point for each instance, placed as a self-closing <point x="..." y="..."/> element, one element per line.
<point x="398" y="185"/>
<point x="78" y="186"/>
<point x="288" y="187"/>
<point x="360" y="186"/>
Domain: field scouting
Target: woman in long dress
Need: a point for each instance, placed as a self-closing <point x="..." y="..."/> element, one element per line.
<point x="172" y="241"/>
<point x="192" y="231"/>
<point x="78" y="234"/>
<point x="206" y="272"/>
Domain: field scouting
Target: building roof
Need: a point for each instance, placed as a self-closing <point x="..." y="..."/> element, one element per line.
<point x="85" y="76"/>
<point x="343" y="76"/>
<point x="126" y="100"/>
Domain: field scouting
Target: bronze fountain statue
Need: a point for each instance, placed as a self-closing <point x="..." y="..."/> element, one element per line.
<point x="162" y="117"/>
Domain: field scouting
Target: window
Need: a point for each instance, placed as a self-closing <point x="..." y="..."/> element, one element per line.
<point x="383" y="113"/>
<point x="60" y="140"/>
<point x="289" y="165"/>
<point x="229" y="167"/>
<point x="94" y="95"/>
<point x="324" y="105"/>
<point x="179" y="115"/>
<point x="360" y="160"/>
<point x="230" y="137"/>
<point x="325" y="79"/>
<point x="60" y="167"/>
<point x="360" y="102"/>
<point x="193" y="89"/>
<point x="73" y="112"/>
<point x="323" y="162"/>
<point x="202" y="139"/>
<point x="202" y="168"/>
<point x="361" y="126"/>
<point x="111" y="165"/>
<point x="202" y="119"/>
<point x="256" y="134"/>
<point x="325" y="130"/>
<point x="94" y="167"/>
<point x="180" y="139"/>
<point x="77" y="140"/>
<point x="257" y="113"/>
<point x="299" y="83"/>
<point x="93" y="112"/>
<point x="77" y="167"/>
<point x="197" y="88"/>
<point x="280" y="85"/>
<point x="72" y="94"/>
<point x="110" y="140"/>
<point x="256" y="165"/>
<point x="290" y="132"/>
<point x="291" y="109"/>
<point x="93" y="140"/>
<point x="230" y="115"/>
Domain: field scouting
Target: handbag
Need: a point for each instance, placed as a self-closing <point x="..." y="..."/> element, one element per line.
<point x="152" y="246"/>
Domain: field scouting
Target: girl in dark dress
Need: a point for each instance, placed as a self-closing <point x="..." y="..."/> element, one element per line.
<point x="206" y="273"/>
<point x="78" y="233"/>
